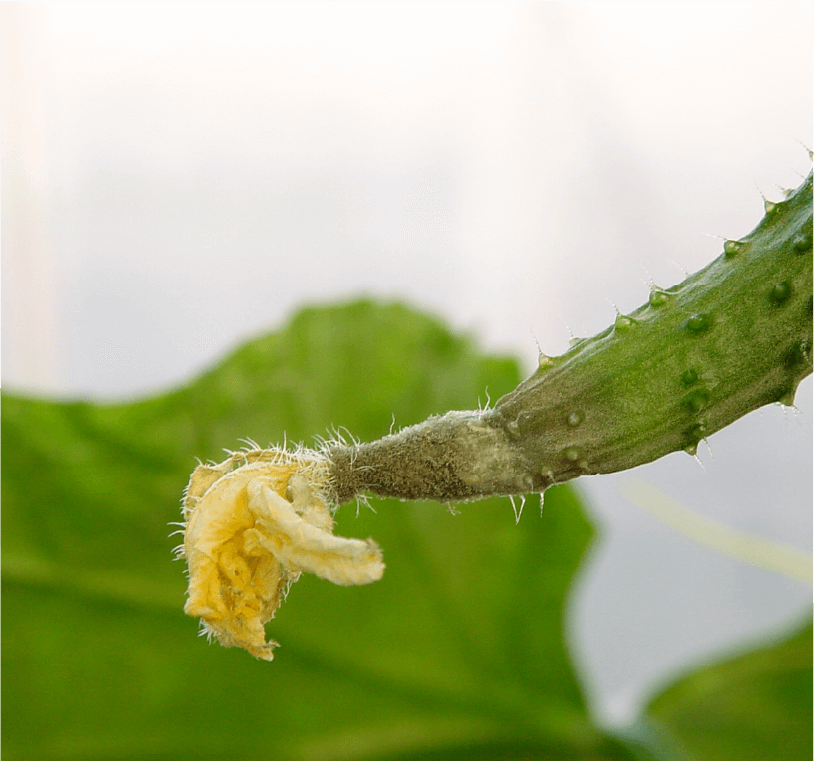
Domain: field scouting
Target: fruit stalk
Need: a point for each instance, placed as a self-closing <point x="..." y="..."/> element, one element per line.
<point x="732" y="337"/>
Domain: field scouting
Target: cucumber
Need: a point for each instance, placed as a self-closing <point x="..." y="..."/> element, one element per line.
<point x="694" y="358"/>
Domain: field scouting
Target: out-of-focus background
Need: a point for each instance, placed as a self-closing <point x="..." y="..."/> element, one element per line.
<point x="180" y="177"/>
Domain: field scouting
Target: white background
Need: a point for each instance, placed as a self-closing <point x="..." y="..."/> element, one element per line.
<point x="178" y="178"/>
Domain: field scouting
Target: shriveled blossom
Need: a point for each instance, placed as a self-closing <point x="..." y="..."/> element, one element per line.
<point x="252" y="524"/>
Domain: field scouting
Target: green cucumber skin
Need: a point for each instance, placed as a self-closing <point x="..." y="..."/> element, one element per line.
<point x="732" y="337"/>
<point x="696" y="357"/>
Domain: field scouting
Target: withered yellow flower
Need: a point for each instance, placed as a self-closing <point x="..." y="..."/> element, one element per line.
<point x="252" y="525"/>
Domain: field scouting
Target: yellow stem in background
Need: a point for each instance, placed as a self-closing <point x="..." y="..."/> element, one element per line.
<point x="717" y="536"/>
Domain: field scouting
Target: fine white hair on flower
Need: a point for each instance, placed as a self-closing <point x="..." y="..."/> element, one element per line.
<point x="253" y="524"/>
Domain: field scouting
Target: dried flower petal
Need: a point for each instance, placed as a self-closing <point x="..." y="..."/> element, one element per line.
<point x="253" y="523"/>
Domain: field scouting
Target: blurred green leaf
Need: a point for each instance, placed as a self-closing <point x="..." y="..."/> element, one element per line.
<point x="748" y="708"/>
<point x="458" y="653"/>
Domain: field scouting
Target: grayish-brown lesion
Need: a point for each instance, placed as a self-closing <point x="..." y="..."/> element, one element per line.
<point x="453" y="457"/>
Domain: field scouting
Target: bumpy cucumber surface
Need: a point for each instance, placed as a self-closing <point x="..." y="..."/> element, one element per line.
<point x="732" y="337"/>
